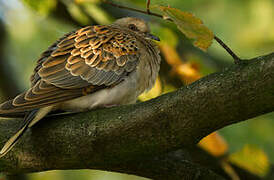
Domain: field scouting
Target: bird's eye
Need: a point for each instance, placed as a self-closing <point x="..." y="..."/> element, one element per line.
<point x="133" y="27"/>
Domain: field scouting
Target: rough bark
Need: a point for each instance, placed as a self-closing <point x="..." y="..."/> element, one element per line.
<point x="113" y="138"/>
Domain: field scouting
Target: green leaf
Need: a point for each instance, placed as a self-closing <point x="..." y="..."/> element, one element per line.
<point x="43" y="7"/>
<point x="190" y="25"/>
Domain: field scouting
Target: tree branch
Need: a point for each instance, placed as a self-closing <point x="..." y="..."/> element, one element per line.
<point x="174" y="165"/>
<point x="110" y="138"/>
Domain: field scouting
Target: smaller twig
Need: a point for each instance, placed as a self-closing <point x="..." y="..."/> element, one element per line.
<point x="148" y="4"/>
<point x="237" y="60"/>
<point x="131" y="9"/>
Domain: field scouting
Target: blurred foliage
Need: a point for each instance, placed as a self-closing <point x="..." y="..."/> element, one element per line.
<point x="98" y="14"/>
<point x="82" y="175"/>
<point x="215" y="144"/>
<point x="77" y="13"/>
<point x="258" y="131"/>
<point x="252" y="158"/>
<point x="154" y="92"/>
<point x="246" y="26"/>
<point x="41" y="6"/>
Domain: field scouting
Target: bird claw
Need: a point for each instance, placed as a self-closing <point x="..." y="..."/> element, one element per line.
<point x="110" y="105"/>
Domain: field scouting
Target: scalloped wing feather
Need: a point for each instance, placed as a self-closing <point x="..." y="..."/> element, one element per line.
<point x="97" y="55"/>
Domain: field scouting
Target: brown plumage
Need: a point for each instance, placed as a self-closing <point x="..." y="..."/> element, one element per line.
<point x="90" y="67"/>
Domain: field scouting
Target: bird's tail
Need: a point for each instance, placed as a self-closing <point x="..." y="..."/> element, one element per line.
<point x="14" y="139"/>
<point x="30" y="119"/>
<point x="9" y="111"/>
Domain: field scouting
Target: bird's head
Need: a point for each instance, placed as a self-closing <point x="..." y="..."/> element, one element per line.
<point x="136" y="25"/>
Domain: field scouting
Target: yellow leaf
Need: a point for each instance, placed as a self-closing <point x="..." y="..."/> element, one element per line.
<point x="154" y="92"/>
<point x="251" y="158"/>
<point x="188" y="72"/>
<point x="170" y="54"/>
<point x="229" y="170"/>
<point x="191" y="26"/>
<point x="214" y="144"/>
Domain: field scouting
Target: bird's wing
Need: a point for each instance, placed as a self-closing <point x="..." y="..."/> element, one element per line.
<point x="80" y="63"/>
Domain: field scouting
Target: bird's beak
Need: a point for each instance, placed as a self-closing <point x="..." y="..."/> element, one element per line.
<point x="151" y="36"/>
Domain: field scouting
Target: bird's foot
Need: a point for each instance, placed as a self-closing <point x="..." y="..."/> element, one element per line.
<point x="110" y="105"/>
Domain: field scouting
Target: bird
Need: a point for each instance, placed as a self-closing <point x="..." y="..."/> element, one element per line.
<point x="92" y="67"/>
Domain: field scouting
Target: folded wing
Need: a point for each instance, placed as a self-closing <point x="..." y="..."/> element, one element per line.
<point x="83" y="61"/>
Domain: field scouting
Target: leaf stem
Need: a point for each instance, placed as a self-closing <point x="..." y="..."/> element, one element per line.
<point x="148" y="4"/>
<point x="133" y="9"/>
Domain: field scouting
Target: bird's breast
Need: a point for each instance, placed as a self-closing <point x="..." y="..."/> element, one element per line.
<point x="148" y="68"/>
<point x="125" y="92"/>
